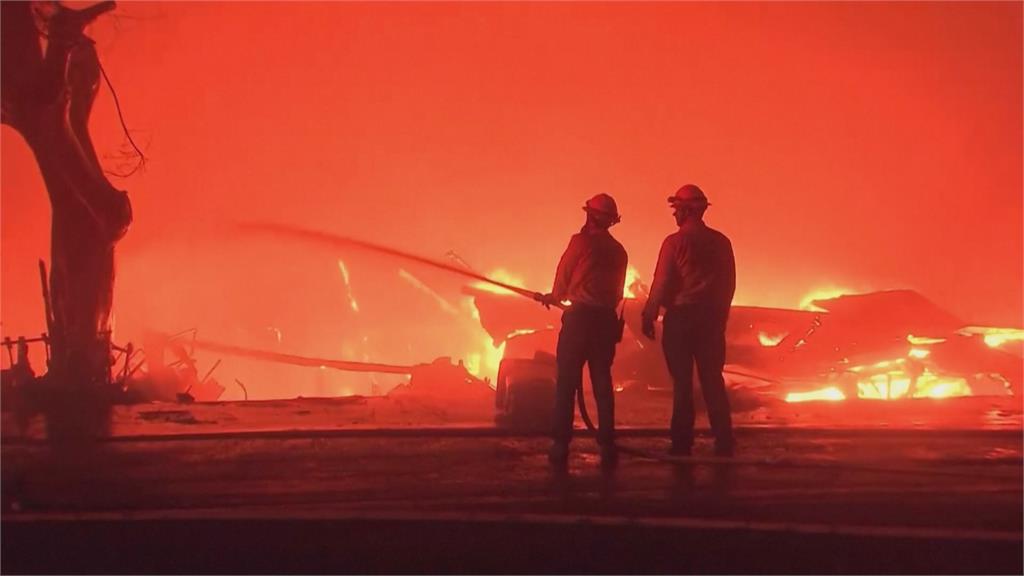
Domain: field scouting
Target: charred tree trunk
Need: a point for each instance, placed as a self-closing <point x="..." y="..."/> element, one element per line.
<point x="47" y="97"/>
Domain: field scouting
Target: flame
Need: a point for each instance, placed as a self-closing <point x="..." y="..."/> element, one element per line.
<point x="923" y="340"/>
<point x="632" y="275"/>
<point x="483" y="360"/>
<point x="886" y="386"/>
<point x="898" y="384"/>
<point x="899" y="379"/>
<point x="931" y="386"/>
<point x="823" y="293"/>
<point x="895" y="378"/>
<point x="501" y="275"/>
<point x="879" y="365"/>
<point x="770" y="340"/>
<point x="995" y="337"/>
<point x="348" y="286"/>
<point x="485" y="364"/>
<point x="831" y="394"/>
<point x="891" y="386"/>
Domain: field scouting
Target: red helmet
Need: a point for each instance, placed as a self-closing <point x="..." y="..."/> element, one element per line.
<point x="689" y="194"/>
<point x="603" y="205"/>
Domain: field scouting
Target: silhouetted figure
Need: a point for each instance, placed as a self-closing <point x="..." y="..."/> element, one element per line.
<point x="591" y="275"/>
<point x="695" y="281"/>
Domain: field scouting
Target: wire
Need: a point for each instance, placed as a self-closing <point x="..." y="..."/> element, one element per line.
<point x="117" y="104"/>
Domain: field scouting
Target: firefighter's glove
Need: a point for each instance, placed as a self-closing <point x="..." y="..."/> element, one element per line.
<point x="547" y="300"/>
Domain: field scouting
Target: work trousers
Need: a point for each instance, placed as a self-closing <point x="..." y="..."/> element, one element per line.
<point x="588" y="336"/>
<point x="692" y="333"/>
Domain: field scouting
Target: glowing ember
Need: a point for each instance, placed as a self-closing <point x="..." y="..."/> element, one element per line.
<point x="995" y="337"/>
<point x="831" y="394"/>
<point x="770" y="340"/>
<point x="919" y="353"/>
<point x="348" y="286"/>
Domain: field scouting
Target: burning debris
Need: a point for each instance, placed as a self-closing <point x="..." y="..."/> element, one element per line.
<point x="888" y="346"/>
<point x="440" y="378"/>
<point x="878" y="346"/>
<point x="164" y="370"/>
<point x="172" y="373"/>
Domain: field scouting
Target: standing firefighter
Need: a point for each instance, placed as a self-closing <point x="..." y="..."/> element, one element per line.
<point x="591" y="275"/>
<point x="694" y="281"/>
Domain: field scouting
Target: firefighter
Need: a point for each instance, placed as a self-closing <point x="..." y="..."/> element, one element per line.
<point x="694" y="281"/>
<point x="591" y="275"/>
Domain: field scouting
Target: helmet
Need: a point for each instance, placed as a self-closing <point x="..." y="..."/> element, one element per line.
<point x="603" y="205"/>
<point x="689" y="194"/>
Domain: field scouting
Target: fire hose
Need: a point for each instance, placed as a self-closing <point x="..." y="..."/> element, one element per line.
<point x="334" y="240"/>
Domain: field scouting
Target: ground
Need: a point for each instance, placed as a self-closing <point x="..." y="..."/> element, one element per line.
<point x="250" y="491"/>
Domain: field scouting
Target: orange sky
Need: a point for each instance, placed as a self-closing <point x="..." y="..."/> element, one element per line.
<point x="864" y="145"/>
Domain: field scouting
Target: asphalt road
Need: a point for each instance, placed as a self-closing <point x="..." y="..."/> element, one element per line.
<point x="470" y="500"/>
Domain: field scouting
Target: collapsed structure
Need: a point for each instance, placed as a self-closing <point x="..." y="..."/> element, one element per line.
<point x="887" y="345"/>
<point x="877" y="346"/>
<point x="890" y="345"/>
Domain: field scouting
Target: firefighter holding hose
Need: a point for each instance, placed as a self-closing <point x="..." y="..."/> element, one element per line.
<point x="591" y="275"/>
